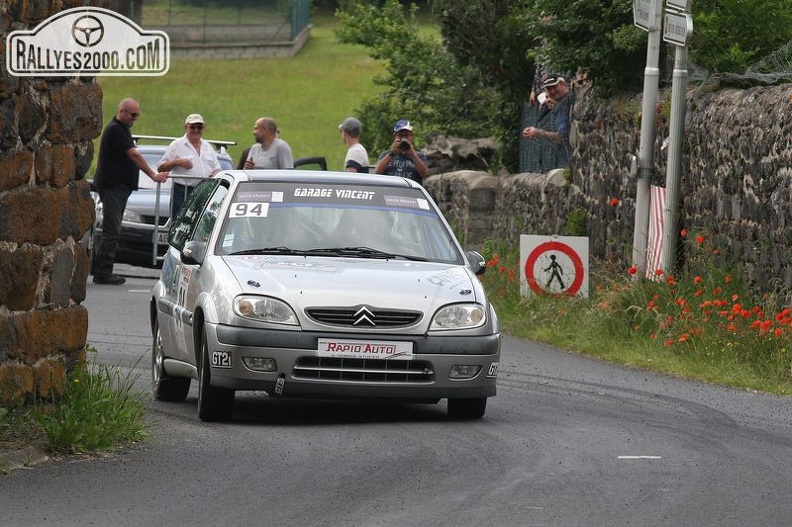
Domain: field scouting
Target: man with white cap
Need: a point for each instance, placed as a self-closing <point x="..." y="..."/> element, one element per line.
<point x="189" y="155"/>
<point x="557" y="91"/>
<point x="403" y="159"/>
<point x="356" y="159"/>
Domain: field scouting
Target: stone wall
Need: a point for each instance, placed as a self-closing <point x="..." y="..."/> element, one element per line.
<point x="736" y="184"/>
<point x="46" y="130"/>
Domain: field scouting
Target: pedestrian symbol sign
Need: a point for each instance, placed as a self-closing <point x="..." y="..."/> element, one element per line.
<point x="554" y="265"/>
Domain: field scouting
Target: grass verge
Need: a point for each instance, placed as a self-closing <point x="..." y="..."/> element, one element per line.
<point x="98" y="410"/>
<point x="703" y="324"/>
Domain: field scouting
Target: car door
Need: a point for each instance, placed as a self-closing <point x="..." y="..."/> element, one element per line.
<point x="193" y="222"/>
<point x="187" y="279"/>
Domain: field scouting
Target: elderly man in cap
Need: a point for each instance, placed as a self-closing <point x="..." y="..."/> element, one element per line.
<point x="189" y="155"/>
<point x="356" y="159"/>
<point x="557" y="90"/>
<point x="403" y="159"/>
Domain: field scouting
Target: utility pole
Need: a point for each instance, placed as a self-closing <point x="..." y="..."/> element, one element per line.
<point x="678" y="29"/>
<point x="647" y="16"/>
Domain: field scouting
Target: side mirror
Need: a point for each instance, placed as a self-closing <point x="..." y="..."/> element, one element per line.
<point x="193" y="253"/>
<point x="476" y="262"/>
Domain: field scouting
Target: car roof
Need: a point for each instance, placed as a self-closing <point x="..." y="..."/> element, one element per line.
<point x="317" y="176"/>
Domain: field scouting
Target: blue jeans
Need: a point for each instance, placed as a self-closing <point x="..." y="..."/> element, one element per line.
<point x="114" y="202"/>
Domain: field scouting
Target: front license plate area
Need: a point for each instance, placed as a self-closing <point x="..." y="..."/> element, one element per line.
<point x="221" y="359"/>
<point x="365" y="349"/>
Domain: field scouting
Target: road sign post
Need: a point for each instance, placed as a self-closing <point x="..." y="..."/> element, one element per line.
<point x="646" y="14"/>
<point x="677" y="30"/>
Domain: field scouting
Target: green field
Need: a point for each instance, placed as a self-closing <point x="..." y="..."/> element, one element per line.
<point x="308" y="95"/>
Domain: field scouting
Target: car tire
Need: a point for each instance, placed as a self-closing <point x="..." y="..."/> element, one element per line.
<point x="473" y="408"/>
<point x="165" y="388"/>
<point x="214" y="404"/>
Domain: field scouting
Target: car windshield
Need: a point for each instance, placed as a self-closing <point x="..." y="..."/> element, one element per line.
<point x="336" y="221"/>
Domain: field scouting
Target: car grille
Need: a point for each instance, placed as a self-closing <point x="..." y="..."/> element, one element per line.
<point x="364" y="370"/>
<point x="364" y="316"/>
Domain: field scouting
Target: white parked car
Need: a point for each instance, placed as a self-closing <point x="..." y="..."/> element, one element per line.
<point x="320" y="284"/>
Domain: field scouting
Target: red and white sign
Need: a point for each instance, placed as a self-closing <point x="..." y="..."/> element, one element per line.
<point x="365" y="349"/>
<point x="554" y="265"/>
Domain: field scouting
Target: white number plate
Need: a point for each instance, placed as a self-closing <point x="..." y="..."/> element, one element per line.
<point x="365" y="349"/>
<point x="221" y="359"/>
<point x="162" y="237"/>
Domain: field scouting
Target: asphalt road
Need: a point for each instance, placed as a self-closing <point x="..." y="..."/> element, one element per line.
<point x="568" y="441"/>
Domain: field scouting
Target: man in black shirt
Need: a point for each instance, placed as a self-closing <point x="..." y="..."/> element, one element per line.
<point x="116" y="177"/>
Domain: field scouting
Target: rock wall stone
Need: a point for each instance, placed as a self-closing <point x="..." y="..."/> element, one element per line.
<point x="736" y="182"/>
<point x="46" y="130"/>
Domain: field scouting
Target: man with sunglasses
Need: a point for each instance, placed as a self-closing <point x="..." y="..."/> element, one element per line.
<point x="189" y="155"/>
<point x="115" y="179"/>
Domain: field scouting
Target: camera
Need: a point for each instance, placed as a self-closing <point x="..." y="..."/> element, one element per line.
<point x="404" y="145"/>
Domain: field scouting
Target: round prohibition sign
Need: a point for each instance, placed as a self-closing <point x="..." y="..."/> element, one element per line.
<point x="542" y="248"/>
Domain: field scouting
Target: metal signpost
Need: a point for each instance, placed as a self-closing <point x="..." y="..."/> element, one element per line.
<point x="646" y="14"/>
<point x="677" y="30"/>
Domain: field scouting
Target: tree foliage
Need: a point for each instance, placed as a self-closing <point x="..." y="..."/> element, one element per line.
<point x="731" y="35"/>
<point x="423" y="82"/>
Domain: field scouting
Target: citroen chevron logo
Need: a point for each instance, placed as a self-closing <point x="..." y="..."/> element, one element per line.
<point x="364" y="316"/>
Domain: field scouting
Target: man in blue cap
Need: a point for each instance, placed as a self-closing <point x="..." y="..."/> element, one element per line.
<point x="403" y="159"/>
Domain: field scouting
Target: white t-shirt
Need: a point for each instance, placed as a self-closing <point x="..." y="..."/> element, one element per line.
<point x="357" y="157"/>
<point x="277" y="155"/>
<point x="204" y="163"/>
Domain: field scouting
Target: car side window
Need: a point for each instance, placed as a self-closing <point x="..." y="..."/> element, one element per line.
<point x="186" y="220"/>
<point x="210" y="215"/>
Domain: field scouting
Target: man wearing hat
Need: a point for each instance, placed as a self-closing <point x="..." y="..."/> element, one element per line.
<point x="557" y="90"/>
<point x="403" y="159"/>
<point x="189" y="155"/>
<point x="356" y="157"/>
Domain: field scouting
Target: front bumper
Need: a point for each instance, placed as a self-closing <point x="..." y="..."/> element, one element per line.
<point x="301" y="372"/>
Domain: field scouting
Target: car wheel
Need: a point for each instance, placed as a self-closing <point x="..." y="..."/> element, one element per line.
<point x="214" y="404"/>
<point x="467" y="408"/>
<point x="165" y="388"/>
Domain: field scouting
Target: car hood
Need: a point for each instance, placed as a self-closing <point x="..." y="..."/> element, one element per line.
<point x="323" y="281"/>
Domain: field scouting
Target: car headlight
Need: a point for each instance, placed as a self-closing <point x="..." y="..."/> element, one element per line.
<point x="132" y="216"/>
<point x="265" y="309"/>
<point x="459" y="316"/>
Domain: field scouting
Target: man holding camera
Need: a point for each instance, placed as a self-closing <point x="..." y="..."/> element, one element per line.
<point x="403" y="159"/>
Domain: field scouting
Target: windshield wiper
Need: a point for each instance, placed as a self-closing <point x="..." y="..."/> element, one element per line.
<point x="282" y="249"/>
<point x="363" y="252"/>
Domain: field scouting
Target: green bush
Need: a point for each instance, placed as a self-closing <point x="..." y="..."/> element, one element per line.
<point x="423" y="82"/>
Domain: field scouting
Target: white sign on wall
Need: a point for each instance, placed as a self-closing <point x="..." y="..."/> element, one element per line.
<point x="88" y="41"/>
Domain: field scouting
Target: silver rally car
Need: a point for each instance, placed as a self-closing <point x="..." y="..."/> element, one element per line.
<point x="320" y="284"/>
